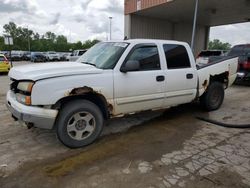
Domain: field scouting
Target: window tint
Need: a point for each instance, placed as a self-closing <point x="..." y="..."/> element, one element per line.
<point x="147" y="56"/>
<point x="176" y="56"/>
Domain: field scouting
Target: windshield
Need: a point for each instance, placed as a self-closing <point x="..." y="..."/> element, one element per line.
<point x="240" y="50"/>
<point x="2" y="58"/>
<point x="236" y="51"/>
<point x="104" y="55"/>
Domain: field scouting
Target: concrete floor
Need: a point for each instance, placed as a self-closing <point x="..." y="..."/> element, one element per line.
<point x="153" y="149"/>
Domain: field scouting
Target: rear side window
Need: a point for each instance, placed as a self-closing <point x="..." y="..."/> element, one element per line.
<point x="147" y="56"/>
<point x="176" y="56"/>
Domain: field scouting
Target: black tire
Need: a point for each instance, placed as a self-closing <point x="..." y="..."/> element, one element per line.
<point x="213" y="98"/>
<point x="65" y="116"/>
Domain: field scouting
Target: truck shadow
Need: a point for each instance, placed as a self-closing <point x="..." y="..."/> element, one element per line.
<point x="186" y="111"/>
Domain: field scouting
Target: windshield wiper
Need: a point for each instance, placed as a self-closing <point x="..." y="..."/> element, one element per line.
<point x="89" y="63"/>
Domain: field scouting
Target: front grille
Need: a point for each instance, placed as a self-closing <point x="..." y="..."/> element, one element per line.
<point x="13" y="85"/>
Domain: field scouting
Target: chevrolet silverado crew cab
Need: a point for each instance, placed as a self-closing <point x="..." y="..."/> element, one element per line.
<point x="113" y="79"/>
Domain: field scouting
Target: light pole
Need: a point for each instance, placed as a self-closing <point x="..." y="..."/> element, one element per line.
<point x="194" y="24"/>
<point x="110" y="28"/>
<point x="28" y="37"/>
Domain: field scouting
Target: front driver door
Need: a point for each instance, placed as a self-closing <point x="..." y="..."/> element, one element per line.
<point x="141" y="89"/>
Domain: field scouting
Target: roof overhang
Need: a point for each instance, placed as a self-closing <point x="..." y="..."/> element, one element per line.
<point x="210" y="12"/>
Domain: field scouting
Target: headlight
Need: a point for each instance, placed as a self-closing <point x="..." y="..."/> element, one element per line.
<point x="25" y="86"/>
<point x="24" y="91"/>
<point x="24" y="99"/>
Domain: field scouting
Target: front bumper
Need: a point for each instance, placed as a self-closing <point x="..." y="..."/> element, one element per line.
<point x="39" y="117"/>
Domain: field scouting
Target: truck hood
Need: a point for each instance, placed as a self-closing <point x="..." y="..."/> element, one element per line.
<point x="40" y="71"/>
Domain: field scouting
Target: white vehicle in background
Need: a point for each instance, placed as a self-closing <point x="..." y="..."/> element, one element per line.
<point x="75" y="55"/>
<point x="208" y="56"/>
<point x="112" y="79"/>
<point x="52" y="56"/>
<point x="16" y="55"/>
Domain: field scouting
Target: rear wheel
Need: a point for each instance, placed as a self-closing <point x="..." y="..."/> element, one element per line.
<point x="80" y="123"/>
<point x="213" y="98"/>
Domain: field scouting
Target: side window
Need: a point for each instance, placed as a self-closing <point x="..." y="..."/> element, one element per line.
<point x="147" y="56"/>
<point x="176" y="56"/>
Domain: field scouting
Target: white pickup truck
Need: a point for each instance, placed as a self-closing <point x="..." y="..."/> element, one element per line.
<point x="112" y="79"/>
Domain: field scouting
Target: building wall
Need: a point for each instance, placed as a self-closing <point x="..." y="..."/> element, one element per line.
<point x="132" y="5"/>
<point x="155" y="28"/>
<point x="183" y="32"/>
<point x="145" y="27"/>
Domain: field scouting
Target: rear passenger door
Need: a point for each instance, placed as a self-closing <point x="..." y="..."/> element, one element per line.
<point x="181" y="75"/>
<point x="142" y="89"/>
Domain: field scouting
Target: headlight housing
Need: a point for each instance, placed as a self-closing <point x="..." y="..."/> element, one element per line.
<point x="25" y="86"/>
<point x="23" y="94"/>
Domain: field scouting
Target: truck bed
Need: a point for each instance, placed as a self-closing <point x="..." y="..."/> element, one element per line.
<point x="227" y="66"/>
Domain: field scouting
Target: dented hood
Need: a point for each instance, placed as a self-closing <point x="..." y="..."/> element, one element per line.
<point x="47" y="70"/>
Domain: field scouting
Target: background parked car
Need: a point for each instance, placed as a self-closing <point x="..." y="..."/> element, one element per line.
<point x="4" y="64"/>
<point x="208" y="56"/>
<point x="6" y="54"/>
<point x="26" y="56"/>
<point x="243" y="52"/>
<point x="16" y="55"/>
<point x="75" y="55"/>
<point x="38" y="57"/>
<point x="64" y="55"/>
<point x="52" y="56"/>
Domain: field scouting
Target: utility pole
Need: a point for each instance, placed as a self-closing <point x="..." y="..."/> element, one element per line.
<point x="110" y="28"/>
<point x="194" y="24"/>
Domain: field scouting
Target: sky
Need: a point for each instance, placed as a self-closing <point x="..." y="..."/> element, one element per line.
<point x="80" y="20"/>
<point x="76" y="19"/>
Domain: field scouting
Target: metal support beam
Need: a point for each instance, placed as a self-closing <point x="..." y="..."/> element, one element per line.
<point x="194" y="24"/>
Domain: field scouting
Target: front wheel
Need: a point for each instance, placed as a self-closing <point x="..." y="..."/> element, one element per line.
<point x="213" y="98"/>
<point x="80" y="123"/>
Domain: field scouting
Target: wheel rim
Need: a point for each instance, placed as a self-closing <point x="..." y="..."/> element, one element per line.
<point x="81" y="125"/>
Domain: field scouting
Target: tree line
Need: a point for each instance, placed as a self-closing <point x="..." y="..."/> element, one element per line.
<point x="25" y="38"/>
<point x="216" y="44"/>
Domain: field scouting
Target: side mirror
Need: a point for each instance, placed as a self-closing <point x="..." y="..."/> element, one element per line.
<point x="131" y="65"/>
